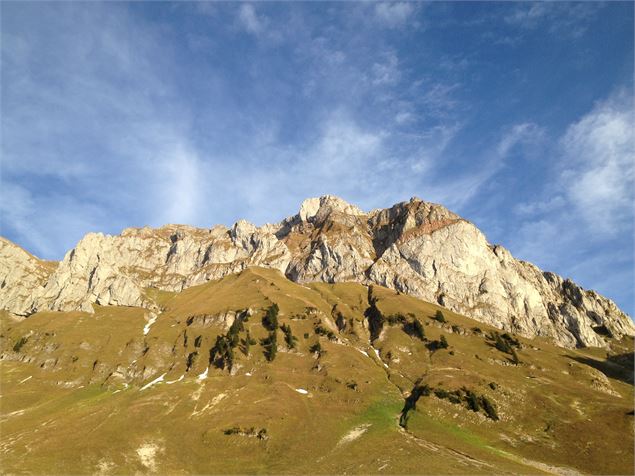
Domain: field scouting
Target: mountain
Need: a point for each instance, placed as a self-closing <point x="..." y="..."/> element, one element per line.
<point x="417" y="248"/>
<point x="254" y="373"/>
<point x="397" y="341"/>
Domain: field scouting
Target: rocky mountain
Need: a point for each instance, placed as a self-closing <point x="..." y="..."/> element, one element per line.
<point x="415" y="247"/>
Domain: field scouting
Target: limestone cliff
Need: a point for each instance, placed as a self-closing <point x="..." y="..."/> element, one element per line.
<point x="415" y="247"/>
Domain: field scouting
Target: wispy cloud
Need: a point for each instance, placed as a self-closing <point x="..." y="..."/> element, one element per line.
<point x="394" y="14"/>
<point x="250" y="20"/>
<point x="598" y="173"/>
<point x="569" y="19"/>
<point x="525" y="134"/>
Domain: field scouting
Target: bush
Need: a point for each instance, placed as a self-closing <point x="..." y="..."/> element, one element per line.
<point x="501" y="344"/>
<point x="415" y="329"/>
<point x="489" y="408"/>
<point x="317" y="347"/>
<point x="440" y="317"/>
<point x="270" y="321"/>
<point x="270" y="345"/>
<point x="340" y="322"/>
<point x="375" y="318"/>
<point x="20" y="343"/>
<point x="443" y="343"/>
<point x="410" y="404"/>
<point x="441" y="393"/>
<point x="289" y="338"/>
<point x="472" y="401"/>
<point x="248" y="341"/>
<point x="191" y="358"/>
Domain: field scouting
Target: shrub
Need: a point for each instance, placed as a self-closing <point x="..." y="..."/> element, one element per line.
<point x="191" y="358"/>
<point x="410" y="404"/>
<point x="270" y="321"/>
<point x="489" y="408"/>
<point x="20" y="343"/>
<point x="443" y="343"/>
<point x="440" y="317"/>
<point x="248" y="341"/>
<point x="501" y="344"/>
<point x="340" y="322"/>
<point x="289" y="338"/>
<point x="317" y="347"/>
<point x="396" y="319"/>
<point x="375" y="319"/>
<point x="306" y="335"/>
<point x="441" y="393"/>
<point x="472" y="401"/>
<point x="415" y="329"/>
<point x="270" y="344"/>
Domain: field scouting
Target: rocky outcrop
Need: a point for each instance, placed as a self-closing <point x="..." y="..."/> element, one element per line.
<point x="22" y="278"/>
<point x="415" y="247"/>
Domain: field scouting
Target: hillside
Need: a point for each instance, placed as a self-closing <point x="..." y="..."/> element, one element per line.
<point x="255" y="373"/>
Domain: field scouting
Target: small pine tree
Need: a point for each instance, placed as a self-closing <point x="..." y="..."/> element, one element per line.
<point x="270" y="321"/>
<point x="472" y="401"/>
<point x="489" y="408"/>
<point x="418" y="329"/>
<point x="316" y="348"/>
<point x="443" y="343"/>
<point x="440" y="317"/>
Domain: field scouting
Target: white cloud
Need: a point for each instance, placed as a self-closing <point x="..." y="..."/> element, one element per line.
<point x="387" y="71"/>
<point x="560" y="18"/>
<point x="250" y="19"/>
<point x="525" y="134"/>
<point x="394" y="14"/>
<point x="597" y="172"/>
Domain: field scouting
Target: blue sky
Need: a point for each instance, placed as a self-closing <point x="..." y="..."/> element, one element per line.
<point x="518" y="116"/>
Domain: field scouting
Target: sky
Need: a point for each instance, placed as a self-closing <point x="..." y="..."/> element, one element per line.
<point x="518" y="116"/>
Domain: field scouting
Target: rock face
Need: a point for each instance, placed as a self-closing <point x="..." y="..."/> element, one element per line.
<point x="415" y="247"/>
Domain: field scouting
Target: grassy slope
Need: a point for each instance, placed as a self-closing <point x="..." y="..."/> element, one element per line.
<point x="74" y="415"/>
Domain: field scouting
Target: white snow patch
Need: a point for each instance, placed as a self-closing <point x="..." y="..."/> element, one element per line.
<point x="203" y="376"/>
<point x="24" y="380"/>
<point x="363" y="352"/>
<point x="156" y="380"/>
<point x="116" y="391"/>
<point x="147" y="454"/>
<point x="354" y="434"/>
<point x="152" y="320"/>
<point x="377" y="354"/>
<point x="177" y="380"/>
<point x="302" y="391"/>
<point x="248" y="374"/>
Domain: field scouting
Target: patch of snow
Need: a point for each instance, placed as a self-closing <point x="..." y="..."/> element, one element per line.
<point x="156" y="380"/>
<point x="377" y="354"/>
<point x="148" y="325"/>
<point x="147" y="454"/>
<point x="203" y="376"/>
<point x="116" y="391"/>
<point x="248" y="374"/>
<point x="177" y="380"/>
<point x="363" y="352"/>
<point x="354" y="434"/>
<point x="24" y="380"/>
<point x="302" y="391"/>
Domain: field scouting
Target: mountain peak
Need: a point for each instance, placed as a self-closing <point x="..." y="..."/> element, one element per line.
<point x="326" y="203"/>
